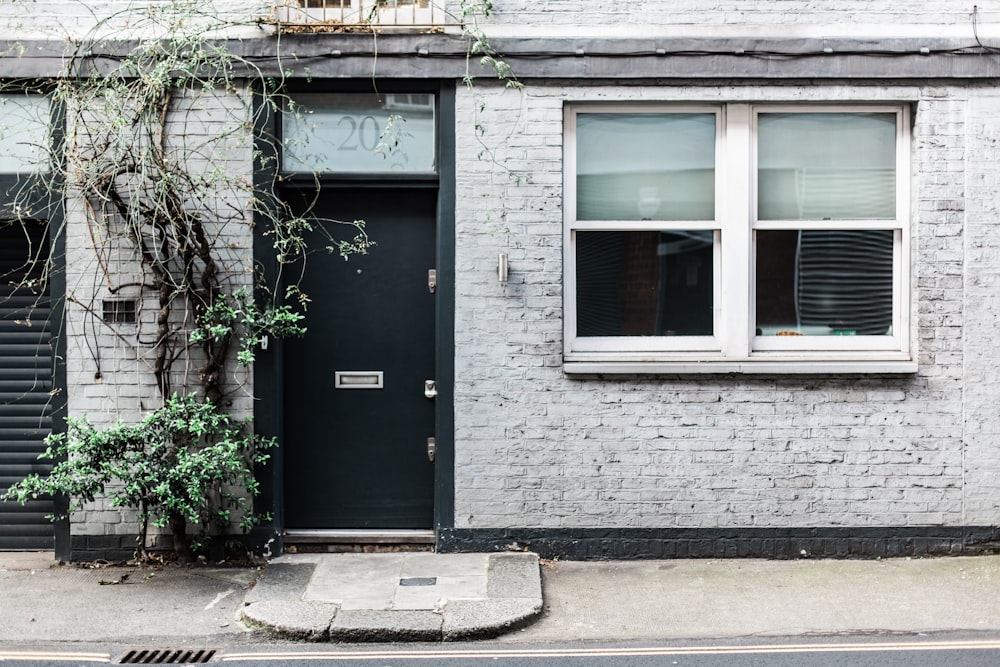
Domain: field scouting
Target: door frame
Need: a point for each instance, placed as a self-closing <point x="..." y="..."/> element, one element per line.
<point x="268" y="371"/>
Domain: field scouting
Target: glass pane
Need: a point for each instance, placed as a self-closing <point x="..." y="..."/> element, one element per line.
<point x="24" y="133"/>
<point x="645" y="166"/>
<point x="826" y="166"/>
<point x="360" y="133"/>
<point x="824" y="282"/>
<point x="646" y="283"/>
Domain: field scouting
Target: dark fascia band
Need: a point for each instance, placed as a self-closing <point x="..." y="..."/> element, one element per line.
<point x="423" y="56"/>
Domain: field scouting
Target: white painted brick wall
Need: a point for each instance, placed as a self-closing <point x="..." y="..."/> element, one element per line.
<point x="745" y="18"/>
<point x="981" y="281"/>
<point x="739" y="12"/>
<point x="535" y="447"/>
<point x="59" y="19"/>
<point x="65" y="19"/>
<point x="109" y="375"/>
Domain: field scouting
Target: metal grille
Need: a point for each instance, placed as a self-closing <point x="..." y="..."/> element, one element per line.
<point x="353" y="13"/>
<point x="118" y="311"/>
<point x="167" y="657"/>
<point x="25" y="383"/>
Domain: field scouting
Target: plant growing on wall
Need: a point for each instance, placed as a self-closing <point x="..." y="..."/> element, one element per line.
<point x="155" y="109"/>
<point x="151" y="125"/>
<point x="184" y="463"/>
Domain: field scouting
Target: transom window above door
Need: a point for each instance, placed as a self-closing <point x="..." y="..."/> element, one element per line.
<point x="737" y="238"/>
<point x="359" y="133"/>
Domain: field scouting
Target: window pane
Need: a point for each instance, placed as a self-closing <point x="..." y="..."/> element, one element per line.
<point x="824" y="282"/>
<point x="648" y="166"/>
<point x="360" y="133"/>
<point x="24" y="133"/>
<point x="647" y="283"/>
<point x="826" y="166"/>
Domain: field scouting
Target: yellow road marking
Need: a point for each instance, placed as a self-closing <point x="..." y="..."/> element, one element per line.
<point x="439" y="654"/>
<point x="54" y="655"/>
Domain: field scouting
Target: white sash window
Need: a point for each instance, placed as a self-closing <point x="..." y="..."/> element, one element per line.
<point x="737" y="238"/>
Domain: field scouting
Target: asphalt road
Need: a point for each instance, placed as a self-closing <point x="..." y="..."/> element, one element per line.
<point x="873" y="652"/>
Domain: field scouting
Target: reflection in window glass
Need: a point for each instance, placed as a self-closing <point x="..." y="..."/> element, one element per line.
<point x="649" y="166"/>
<point x="644" y="283"/>
<point x="824" y="282"/>
<point x="360" y="132"/>
<point x="826" y="166"/>
<point x="24" y="133"/>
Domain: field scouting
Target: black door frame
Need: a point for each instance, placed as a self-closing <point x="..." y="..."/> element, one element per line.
<point x="268" y="368"/>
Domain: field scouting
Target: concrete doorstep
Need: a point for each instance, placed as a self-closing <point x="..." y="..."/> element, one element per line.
<point x="395" y="596"/>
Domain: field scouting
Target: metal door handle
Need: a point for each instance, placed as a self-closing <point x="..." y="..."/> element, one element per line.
<point x="430" y="389"/>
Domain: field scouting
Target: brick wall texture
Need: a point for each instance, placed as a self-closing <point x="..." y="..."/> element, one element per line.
<point x="538" y="448"/>
<point x="654" y="13"/>
<point x="535" y="447"/>
<point x="109" y="366"/>
<point x="787" y="18"/>
<point x="62" y="19"/>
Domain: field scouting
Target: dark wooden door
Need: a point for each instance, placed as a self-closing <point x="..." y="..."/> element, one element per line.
<point x="355" y="453"/>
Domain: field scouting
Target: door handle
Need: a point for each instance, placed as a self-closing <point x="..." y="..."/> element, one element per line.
<point x="430" y="389"/>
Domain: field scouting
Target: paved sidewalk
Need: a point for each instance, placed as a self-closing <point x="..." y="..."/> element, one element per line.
<point x="43" y="601"/>
<point x="383" y="597"/>
<point x="395" y="596"/>
<point x="719" y="599"/>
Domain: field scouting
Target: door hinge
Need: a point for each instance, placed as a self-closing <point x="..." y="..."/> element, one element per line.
<point x="432" y="280"/>
<point x="431" y="449"/>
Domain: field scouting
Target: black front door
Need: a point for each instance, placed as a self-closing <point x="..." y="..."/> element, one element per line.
<point x="356" y="411"/>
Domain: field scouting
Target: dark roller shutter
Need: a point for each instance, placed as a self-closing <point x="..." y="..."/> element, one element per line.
<point x="25" y="383"/>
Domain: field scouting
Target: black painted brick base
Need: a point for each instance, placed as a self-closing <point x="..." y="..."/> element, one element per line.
<point x="638" y="543"/>
<point x="629" y="543"/>
<point x="85" y="548"/>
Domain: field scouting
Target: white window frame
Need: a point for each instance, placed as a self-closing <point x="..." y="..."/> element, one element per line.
<point x="735" y="347"/>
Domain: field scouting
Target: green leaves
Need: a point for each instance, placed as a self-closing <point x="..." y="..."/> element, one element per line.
<point x="186" y="458"/>
<point x="238" y="316"/>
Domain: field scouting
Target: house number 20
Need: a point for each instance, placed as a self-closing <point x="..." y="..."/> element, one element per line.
<point x="363" y="133"/>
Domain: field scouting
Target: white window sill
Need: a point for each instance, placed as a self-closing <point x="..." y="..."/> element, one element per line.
<point x="773" y="367"/>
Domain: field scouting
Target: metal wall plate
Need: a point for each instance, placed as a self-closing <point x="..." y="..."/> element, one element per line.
<point x="357" y="380"/>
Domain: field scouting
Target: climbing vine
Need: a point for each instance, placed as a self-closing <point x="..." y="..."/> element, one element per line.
<point x="161" y="127"/>
<point x="156" y="165"/>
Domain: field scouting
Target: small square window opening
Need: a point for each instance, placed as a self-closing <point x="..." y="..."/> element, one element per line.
<point x="119" y="311"/>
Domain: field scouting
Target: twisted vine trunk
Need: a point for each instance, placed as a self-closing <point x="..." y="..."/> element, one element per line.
<point x="178" y="253"/>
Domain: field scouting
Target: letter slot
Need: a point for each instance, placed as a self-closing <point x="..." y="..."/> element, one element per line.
<point x="357" y="380"/>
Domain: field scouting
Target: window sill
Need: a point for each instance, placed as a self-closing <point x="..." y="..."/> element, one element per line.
<point x="772" y="367"/>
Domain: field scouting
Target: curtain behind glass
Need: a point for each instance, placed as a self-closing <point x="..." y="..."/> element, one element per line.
<point x="826" y="166"/>
<point x="645" y="166"/>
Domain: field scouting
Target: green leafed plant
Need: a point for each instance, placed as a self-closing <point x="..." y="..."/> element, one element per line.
<point x="159" y="127"/>
<point x="185" y="463"/>
<point x="238" y="317"/>
<point x="155" y="149"/>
